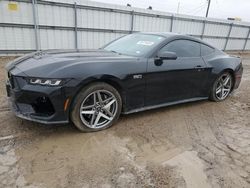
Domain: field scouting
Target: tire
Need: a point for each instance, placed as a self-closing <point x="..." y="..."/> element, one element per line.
<point x="221" y="87"/>
<point x="96" y="107"/>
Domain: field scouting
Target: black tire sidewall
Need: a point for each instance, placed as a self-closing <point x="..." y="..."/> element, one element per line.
<point x="75" y="107"/>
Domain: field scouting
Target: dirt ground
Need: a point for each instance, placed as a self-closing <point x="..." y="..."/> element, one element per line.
<point x="194" y="145"/>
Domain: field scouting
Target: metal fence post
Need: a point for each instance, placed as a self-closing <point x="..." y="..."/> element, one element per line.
<point x="228" y="35"/>
<point x="35" y="23"/>
<point x="132" y="21"/>
<point x="172" y="22"/>
<point x="203" y="29"/>
<point x="75" y="18"/>
<point x="245" y="44"/>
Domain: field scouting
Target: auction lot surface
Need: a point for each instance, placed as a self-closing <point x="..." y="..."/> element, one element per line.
<point x="201" y="144"/>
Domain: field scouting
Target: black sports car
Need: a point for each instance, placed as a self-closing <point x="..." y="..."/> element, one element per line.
<point x="136" y="72"/>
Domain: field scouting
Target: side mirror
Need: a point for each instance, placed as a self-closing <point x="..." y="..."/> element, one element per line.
<point x="165" y="55"/>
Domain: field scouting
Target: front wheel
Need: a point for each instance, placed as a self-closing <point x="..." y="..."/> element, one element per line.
<point x="222" y="87"/>
<point x="96" y="107"/>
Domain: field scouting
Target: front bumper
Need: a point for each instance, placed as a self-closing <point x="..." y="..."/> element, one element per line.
<point x="42" y="104"/>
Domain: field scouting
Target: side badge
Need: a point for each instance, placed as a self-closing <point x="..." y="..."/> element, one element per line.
<point x="137" y="76"/>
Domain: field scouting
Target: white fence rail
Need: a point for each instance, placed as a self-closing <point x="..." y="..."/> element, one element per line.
<point x="28" y="25"/>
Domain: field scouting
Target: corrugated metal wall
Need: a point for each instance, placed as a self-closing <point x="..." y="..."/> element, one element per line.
<point x="88" y="24"/>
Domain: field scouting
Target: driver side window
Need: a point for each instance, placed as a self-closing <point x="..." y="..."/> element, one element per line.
<point x="183" y="48"/>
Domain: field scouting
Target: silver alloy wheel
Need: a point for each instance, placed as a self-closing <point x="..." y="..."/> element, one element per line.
<point x="98" y="109"/>
<point x="223" y="86"/>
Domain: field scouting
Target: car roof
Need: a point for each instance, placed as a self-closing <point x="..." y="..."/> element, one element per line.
<point x="171" y="35"/>
<point x="164" y="34"/>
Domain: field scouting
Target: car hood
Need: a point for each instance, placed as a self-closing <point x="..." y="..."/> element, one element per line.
<point x="56" y="63"/>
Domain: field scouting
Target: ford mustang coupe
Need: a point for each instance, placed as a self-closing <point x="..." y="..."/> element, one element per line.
<point x="136" y="72"/>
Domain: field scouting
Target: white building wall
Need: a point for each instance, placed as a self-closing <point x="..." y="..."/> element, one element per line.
<point x="99" y="23"/>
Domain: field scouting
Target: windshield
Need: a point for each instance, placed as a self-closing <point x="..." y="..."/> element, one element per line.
<point x="135" y="44"/>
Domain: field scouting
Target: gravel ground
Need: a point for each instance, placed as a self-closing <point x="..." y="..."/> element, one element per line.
<point x="200" y="144"/>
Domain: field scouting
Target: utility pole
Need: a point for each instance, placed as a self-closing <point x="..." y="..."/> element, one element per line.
<point x="208" y="6"/>
<point x="178" y="7"/>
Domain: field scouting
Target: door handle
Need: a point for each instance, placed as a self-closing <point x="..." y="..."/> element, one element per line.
<point x="199" y="67"/>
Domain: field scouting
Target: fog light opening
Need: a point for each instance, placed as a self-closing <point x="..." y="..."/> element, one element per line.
<point x="43" y="105"/>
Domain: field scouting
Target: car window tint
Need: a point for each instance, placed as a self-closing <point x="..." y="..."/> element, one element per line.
<point x="183" y="48"/>
<point x="206" y="50"/>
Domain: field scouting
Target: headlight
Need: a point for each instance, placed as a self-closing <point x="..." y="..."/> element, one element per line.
<point x="45" y="82"/>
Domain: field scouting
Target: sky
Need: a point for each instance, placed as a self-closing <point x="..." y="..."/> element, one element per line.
<point x="218" y="8"/>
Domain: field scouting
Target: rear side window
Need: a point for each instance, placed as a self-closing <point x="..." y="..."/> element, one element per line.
<point x="206" y="50"/>
<point x="183" y="48"/>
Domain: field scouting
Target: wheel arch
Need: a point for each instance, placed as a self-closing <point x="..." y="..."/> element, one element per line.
<point x="223" y="64"/>
<point x="108" y="79"/>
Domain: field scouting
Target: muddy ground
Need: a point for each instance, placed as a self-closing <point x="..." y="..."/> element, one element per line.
<point x="195" y="145"/>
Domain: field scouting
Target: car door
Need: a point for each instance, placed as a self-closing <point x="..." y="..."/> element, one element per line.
<point x="179" y="79"/>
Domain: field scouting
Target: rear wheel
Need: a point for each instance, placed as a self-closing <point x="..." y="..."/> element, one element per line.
<point x="222" y="87"/>
<point x="96" y="107"/>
